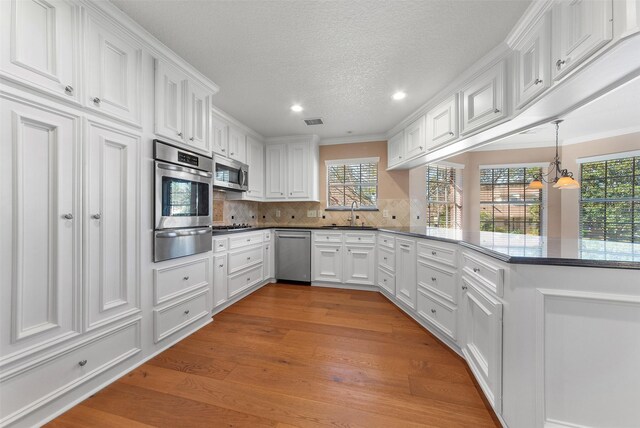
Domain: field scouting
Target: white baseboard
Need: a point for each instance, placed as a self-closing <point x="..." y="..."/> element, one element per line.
<point x="359" y="287"/>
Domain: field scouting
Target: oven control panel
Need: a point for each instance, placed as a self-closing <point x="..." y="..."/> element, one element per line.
<point x="187" y="158"/>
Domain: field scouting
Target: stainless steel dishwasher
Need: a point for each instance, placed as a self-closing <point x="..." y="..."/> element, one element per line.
<point x="293" y="255"/>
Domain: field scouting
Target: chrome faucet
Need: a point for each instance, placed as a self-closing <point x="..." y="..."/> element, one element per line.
<point x="352" y="220"/>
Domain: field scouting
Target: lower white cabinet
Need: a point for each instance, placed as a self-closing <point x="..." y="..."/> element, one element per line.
<point x="268" y="259"/>
<point x="386" y="281"/>
<point x="241" y="281"/>
<point x="174" y="281"/>
<point x="360" y="267"/>
<point x="482" y="339"/>
<point x="220" y="292"/>
<point x="327" y="262"/>
<point x="438" y="312"/>
<point x="406" y="286"/>
<point x="175" y="316"/>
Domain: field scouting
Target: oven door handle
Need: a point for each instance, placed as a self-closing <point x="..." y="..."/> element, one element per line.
<point x="176" y="233"/>
<point x="183" y="169"/>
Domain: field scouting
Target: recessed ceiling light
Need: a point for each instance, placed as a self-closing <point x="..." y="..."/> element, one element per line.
<point x="399" y="95"/>
<point x="297" y="108"/>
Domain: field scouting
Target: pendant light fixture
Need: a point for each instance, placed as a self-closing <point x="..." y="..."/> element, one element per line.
<point x="563" y="179"/>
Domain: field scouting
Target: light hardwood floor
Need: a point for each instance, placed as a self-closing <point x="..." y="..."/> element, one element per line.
<point x="299" y="356"/>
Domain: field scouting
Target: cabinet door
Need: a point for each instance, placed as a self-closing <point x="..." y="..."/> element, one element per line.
<point x="197" y="115"/>
<point x="40" y="237"/>
<point x="395" y="149"/>
<point x="484" y="100"/>
<point x="237" y="145"/>
<point x="275" y="171"/>
<point x="298" y="170"/>
<point x="110" y="217"/>
<point x="220" y="292"/>
<point x="39" y="41"/>
<point x="482" y="340"/>
<point x="414" y="137"/>
<point x="406" y="286"/>
<point x="327" y="263"/>
<point x="218" y="135"/>
<point x="532" y="63"/>
<point x="360" y="265"/>
<point x="268" y="260"/>
<point x="255" y="160"/>
<point x="112" y="70"/>
<point x="580" y="28"/>
<point x="170" y="114"/>
<point x="442" y="123"/>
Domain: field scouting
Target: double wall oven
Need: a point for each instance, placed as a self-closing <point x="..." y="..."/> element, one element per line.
<point x="182" y="202"/>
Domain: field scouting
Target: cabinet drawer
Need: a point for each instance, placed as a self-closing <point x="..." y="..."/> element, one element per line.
<point x="173" y="281"/>
<point x="173" y="317"/>
<point x="220" y="244"/>
<point x="241" y="259"/>
<point x="244" y="240"/>
<point x="438" y="253"/>
<point x="360" y="238"/>
<point x="437" y="280"/>
<point x="328" y="237"/>
<point x="266" y="235"/>
<point x="387" y="259"/>
<point x="489" y="275"/>
<point x="27" y="388"/>
<point x="245" y="279"/>
<point x="386" y="241"/>
<point x="387" y="281"/>
<point x="437" y="312"/>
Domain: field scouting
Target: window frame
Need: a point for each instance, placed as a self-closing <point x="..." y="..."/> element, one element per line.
<point x="342" y="162"/>
<point x="457" y="192"/>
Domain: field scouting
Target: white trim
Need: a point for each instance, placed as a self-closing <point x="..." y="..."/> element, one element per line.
<point x="609" y="156"/>
<point x="351" y="161"/>
<point x="311" y="139"/>
<point x="517" y="165"/>
<point x="351" y="139"/>
<point x="447" y="164"/>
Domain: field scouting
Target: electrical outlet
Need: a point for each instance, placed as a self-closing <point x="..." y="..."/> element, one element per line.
<point x="311" y="213"/>
<point x="385" y="213"/>
<point x="277" y="213"/>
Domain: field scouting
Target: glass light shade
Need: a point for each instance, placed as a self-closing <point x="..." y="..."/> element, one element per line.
<point x="567" y="183"/>
<point x="535" y="185"/>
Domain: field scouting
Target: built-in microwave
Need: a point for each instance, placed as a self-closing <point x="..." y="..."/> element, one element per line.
<point x="230" y="174"/>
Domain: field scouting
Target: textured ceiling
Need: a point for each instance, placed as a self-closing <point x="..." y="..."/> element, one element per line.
<point x="341" y="60"/>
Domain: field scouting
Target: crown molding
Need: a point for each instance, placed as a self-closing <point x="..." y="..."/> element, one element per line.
<point x="235" y="122"/>
<point x="351" y="139"/>
<point x="530" y="18"/>
<point x="311" y="139"/>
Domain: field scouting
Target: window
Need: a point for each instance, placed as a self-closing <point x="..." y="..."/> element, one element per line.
<point x="610" y="200"/>
<point x="352" y="180"/>
<point x="506" y="205"/>
<point x="444" y="197"/>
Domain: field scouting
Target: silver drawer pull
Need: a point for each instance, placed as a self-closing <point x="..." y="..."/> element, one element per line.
<point x="221" y="266"/>
<point x="68" y="89"/>
<point x="359" y="239"/>
<point x="82" y="363"/>
<point x="68" y="216"/>
<point x="385" y="241"/>
<point x="496" y="110"/>
<point x="249" y="240"/>
<point x="433" y="253"/>
<point x="537" y="81"/>
<point x="476" y="270"/>
<point x="96" y="216"/>
<point x="433" y="311"/>
<point x="433" y="278"/>
<point x="96" y="100"/>
<point x="384" y="280"/>
<point x="337" y="249"/>
<point x="221" y="245"/>
<point x="385" y="258"/>
<point x="451" y="133"/>
<point x="248" y="279"/>
<point x="559" y="64"/>
<point x="464" y="287"/>
<point x="186" y="278"/>
<point x="248" y="258"/>
<point x="186" y="312"/>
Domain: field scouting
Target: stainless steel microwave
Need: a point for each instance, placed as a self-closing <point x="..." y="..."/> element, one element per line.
<point x="230" y="174"/>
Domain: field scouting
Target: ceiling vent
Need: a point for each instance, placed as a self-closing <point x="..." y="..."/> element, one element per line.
<point x="316" y="121"/>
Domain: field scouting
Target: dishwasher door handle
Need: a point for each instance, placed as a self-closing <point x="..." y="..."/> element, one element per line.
<point x="293" y="237"/>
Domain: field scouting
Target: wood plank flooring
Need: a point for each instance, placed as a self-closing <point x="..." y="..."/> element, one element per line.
<point x="296" y="356"/>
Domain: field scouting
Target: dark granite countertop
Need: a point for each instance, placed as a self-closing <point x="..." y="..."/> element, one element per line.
<point x="511" y="248"/>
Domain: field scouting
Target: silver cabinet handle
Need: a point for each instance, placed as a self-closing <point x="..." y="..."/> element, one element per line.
<point x="68" y="216"/>
<point x="385" y="241"/>
<point x="96" y="216"/>
<point x="451" y="133"/>
<point x="404" y="245"/>
<point x="537" y="82"/>
<point x="232" y="153"/>
<point x="420" y="147"/>
<point x="464" y="287"/>
<point x="68" y="90"/>
<point x="496" y="110"/>
<point x="476" y="270"/>
<point x="384" y="279"/>
<point x="248" y="258"/>
<point x="359" y="239"/>
<point x="349" y="250"/>
<point x="224" y="150"/>
<point x="82" y="363"/>
<point x="385" y="258"/>
<point x="560" y="63"/>
<point x="248" y="239"/>
<point x="221" y="266"/>
<point x="433" y="278"/>
<point x="433" y="311"/>
<point x="191" y="139"/>
<point x="248" y="279"/>
<point x="433" y="253"/>
<point x="186" y="278"/>
<point x="220" y="245"/>
<point x="281" y="193"/>
<point x="337" y="249"/>
<point x="186" y="312"/>
<point x="399" y="157"/>
<point x="96" y="100"/>
<point x="180" y="134"/>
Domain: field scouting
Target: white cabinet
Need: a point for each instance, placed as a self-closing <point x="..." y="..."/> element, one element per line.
<point x="40" y="240"/>
<point x="237" y="145"/>
<point x="39" y="45"/>
<point x="220" y="292"/>
<point x="110" y="218"/>
<point x="112" y="69"/>
<point x="533" y="62"/>
<point x="406" y="285"/>
<point x="275" y="171"/>
<point x="298" y="171"/>
<point x="197" y="115"/>
<point x="255" y="160"/>
<point x="484" y="99"/>
<point x="327" y="263"/>
<point x="442" y="123"/>
<point x="268" y="260"/>
<point x="360" y="265"/>
<point x="169" y="101"/>
<point x="218" y="135"/>
<point x="395" y="149"/>
<point x="580" y="27"/>
<point x="414" y="137"/>
<point x="482" y="339"/>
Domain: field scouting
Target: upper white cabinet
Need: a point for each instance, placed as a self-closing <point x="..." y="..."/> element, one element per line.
<point x="532" y="63"/>
<point x="406" y="285"/>
<point x="395" y="149"/>
<point x="255" y="160"/>
<point x="182" y="108"/>
<point x="580" y="27"/>
<point x="275" y="171"/>
<point x="218" y="135"/>
<point x="291" y="170"/>
<point x="38" y="45"/>
<point x="484" y="99"/>
<point x="414" y="137"/>
<point x="298" y="170"/>
<point x="110" y="219"/>
<point x="237" y="145"/>
<point x="442" y="123"/>
<point x="112" y="65"/>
